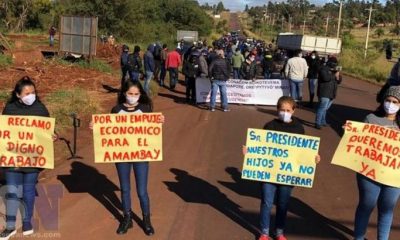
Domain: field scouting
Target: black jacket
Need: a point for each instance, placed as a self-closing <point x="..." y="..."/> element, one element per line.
<point x="314" y="66"/>
<point x="248" y="71"/>
<point x="134" y="62"/>
<point x="219" y="69"/>
<point x="190" y="69"/>
<point x="17" y="108"/>
<point x="327" y="83"/>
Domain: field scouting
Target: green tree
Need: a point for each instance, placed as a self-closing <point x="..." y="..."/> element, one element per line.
<point x="379" y="32"/>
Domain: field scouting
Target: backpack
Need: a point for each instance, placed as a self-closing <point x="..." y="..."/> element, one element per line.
<point x="134" y="63"/>
<point x="157" y="52"/>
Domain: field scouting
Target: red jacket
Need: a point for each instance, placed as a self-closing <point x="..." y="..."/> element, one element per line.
<point x="173" y="60"/>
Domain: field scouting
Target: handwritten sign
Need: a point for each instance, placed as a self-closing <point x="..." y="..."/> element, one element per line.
<point x="280" y="157"/>
<point x="26" y="141"/>
<point x="127" y="137"/>
<point x="371" y="150"/>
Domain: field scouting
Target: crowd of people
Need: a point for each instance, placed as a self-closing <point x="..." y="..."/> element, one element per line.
<point x="233" y="57"/>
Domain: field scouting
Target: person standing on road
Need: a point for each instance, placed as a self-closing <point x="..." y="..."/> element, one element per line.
<point x="134" y="100"/>
<point x="148" y="67"/>
<point x="248" y="70"/>
<point x="163" y="71"/>
<point x="268" y="65"/>
<point x="190" y="70"/>
<point x="219" y="72"/>
<point x="296" y="71"/>
<point x="172" y="64"/>
<point x="372" y="193"/>
<point x="314" y="64"/>
<point x="124" y="63"/>
<point x="21" y="182"/>
<point x="135" y="64"/>
<point x="328" y="80"/>
<point x="203" y="65"/>
<point x="284" y="123"/>
<point x="237" y="61"/>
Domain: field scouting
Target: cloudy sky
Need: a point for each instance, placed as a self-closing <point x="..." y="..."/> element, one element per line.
<point x="235" y="5"/>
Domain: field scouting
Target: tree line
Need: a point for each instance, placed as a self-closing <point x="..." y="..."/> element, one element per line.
<point x="319" y="18"/>
<point x="133" y="20"/>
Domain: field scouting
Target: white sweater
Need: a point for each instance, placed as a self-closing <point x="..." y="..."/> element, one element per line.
<point x="296" y="68"/>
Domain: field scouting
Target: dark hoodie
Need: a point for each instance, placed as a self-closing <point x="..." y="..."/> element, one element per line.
<point x="149" y="59"/>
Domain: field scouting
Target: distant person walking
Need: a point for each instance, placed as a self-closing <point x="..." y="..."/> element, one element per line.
<point x="172" y="64"/>
<point x="237" y="61"/>
<point x="124" y="63"/>
<point x="163" y="71"/>
<point x="314" y="64"/>
<point x="296" y="71"/>
<point x="52" y="34"/>
<point x="149" y="67"/>
<point x="135" y="64"/>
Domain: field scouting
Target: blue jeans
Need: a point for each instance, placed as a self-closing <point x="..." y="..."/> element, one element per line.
<point x="173" y="77"/>
<point x="149" y="76"/>
<point x="267" y="75"/>
<point x="372" y="193"/>
<point x="20" y="186"/>
<point x="236" y="73"/>
<point x="268" y="192"/>
<point x="134" y="76"/>
<point x="141" y="170"/>
<point x="296" y="89"/>
<point x="323" y="106"/>
<point x="221" y="85"/>
<point x="312" y="84"/>
<point x="51" y="40"/>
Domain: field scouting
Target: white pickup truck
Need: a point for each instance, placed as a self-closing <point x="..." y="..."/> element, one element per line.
<point x="323" y="45"/>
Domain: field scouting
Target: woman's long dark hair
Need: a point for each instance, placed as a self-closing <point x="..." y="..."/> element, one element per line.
<point x="19" y="86"/>
<point x="380" y="112"/>
<point x="144" y="98"/>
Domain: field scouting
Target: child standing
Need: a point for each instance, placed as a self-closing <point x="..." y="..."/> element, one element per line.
<point x="284" y="123"/>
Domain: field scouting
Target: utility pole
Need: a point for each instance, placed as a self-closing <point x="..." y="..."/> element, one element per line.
<point x="290" y="23"/>
<point x="369" y="24"/>
<point x="282" y="20"/>
<point x="340" y="18"/>
<point x="327" y="25"/>
<point x="304" y="25"/>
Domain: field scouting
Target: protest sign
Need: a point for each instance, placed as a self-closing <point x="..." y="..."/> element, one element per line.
<point x="127" y="137"/>
<point x="26" y="141"/>
<point x="260" y="91"/>
<point x="280" y="157"/>
<point x="371" y="150"/>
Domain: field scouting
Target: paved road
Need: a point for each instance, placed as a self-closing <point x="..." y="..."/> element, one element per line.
<point x="196" y="192"/>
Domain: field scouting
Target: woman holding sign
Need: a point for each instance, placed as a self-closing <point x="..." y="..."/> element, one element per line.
<point x="372" y="193"/>
<point x="21" y="182"/>
<point x="285" y="123"/>
<point x="133" y="99"/>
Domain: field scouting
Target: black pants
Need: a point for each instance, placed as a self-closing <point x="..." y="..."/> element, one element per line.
<point x="157" y="69"/>
<point x="191" y="89"/>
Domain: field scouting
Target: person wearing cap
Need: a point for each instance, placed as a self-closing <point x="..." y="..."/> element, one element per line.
<point x="372" y="193"/>
<point x="328" y="80"/>
<point x="219" y="72"/>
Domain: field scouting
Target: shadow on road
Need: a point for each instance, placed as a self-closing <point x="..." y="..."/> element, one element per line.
<point x="177" y="99"/>
<point x="110" y="89"/>
<point x="339" y="114"/>
<point x="196" y="190"/>
<point x="86" y="179"/>
<point x="311" y="223"/>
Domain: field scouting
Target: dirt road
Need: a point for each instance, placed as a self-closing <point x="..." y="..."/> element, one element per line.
<point x="196" y="192"/>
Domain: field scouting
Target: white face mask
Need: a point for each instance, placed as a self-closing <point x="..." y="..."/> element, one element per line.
<point x="29" y="99"/>
<point x="285" y="116"/>
<point x="313" y="57"/>
<point x="391" y="108"/>
<point x="132" y="100"/>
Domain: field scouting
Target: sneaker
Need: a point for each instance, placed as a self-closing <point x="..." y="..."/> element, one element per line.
<point x="27" y="229"/>
<point x="227" y="110"/>
<point x="280" y="237"/>
<point x="212" y="109"/>
<point x="6" y="234"/>
<point x="263" y="237"/>
<point x="317" y="126"/>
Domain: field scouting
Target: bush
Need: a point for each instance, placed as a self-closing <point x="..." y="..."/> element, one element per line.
<point x="62" y="103"/>
<point x="5" y="60"/>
